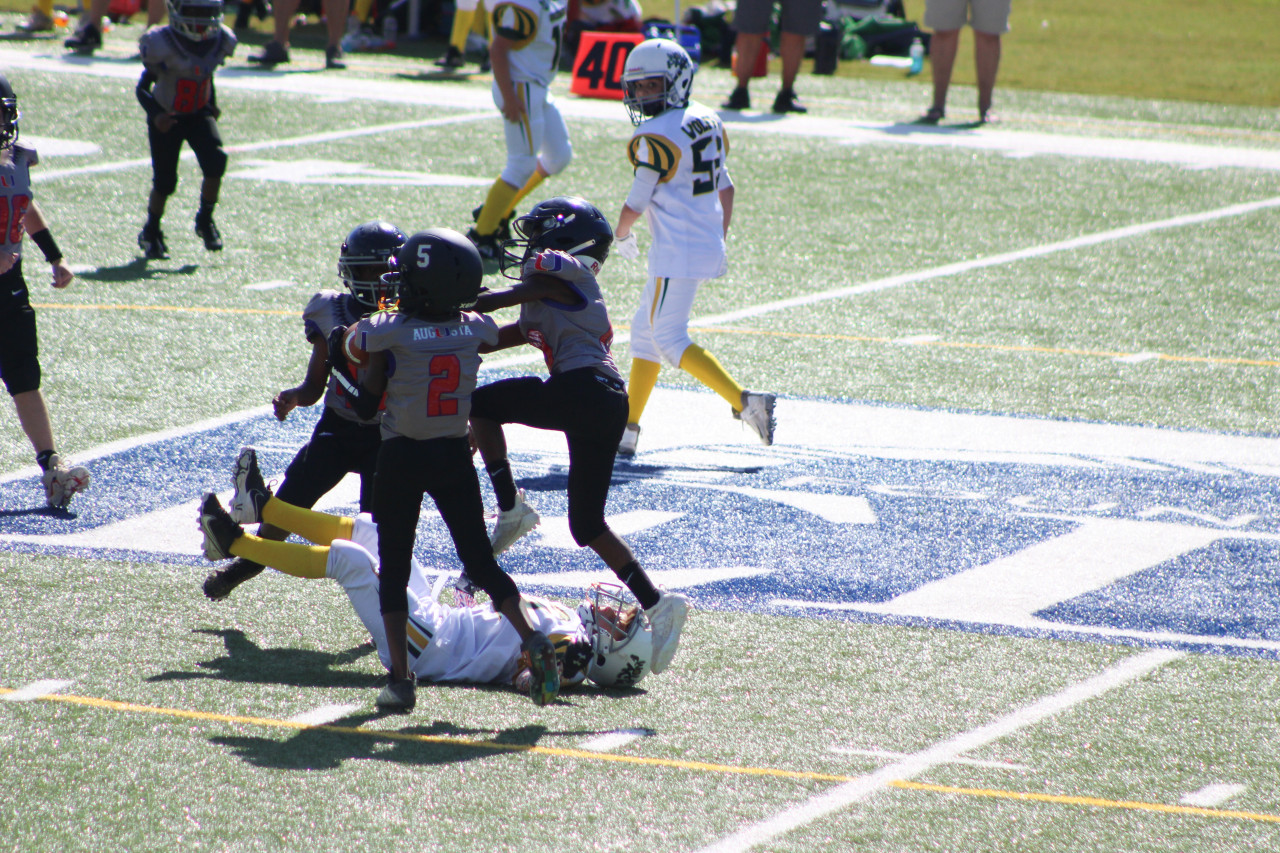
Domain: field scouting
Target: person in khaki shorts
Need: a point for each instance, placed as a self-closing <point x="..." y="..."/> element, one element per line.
<point x="989" y="19"/>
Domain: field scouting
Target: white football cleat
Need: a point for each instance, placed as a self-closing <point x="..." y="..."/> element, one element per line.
<point x="62" y="483"/>
<point x="666" y="621"/>
<point x="251" y="492"/>
<point x="630" y="438"/>
<point x="512" y="524"/>
<point x="757" y="413"/>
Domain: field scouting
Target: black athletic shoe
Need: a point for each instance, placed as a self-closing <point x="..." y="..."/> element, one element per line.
<point x="151" y="242"/>
<point x="333" y="58"/>
<point x="207" y="231"/>
<point x="452" y="59"/>
<point x="398" y="696"/>
<point x="274" y="53"/>
<point x="86" y="40"/>
<point x="220" y="532"/>
<point x="504" y="224"/>
<point x="220" y="583"/>
<point x="739" y="99"/>
<point x="787" y="102"/>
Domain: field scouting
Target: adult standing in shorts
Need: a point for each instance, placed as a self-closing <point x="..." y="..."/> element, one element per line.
<point x="988" y="19"/>
<point x="800" y="19"/>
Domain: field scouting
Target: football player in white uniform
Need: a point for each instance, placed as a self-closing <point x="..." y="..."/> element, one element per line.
<point x="525" y="54"/>
<point x="605" y="639"/>
<point x="679" y="152"/>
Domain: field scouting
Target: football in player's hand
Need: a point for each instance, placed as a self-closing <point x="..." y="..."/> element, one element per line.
<point x="352" y="350"/>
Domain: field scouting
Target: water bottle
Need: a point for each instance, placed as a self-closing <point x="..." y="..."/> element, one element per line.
<point x="389" y="27"/>
<point x="917" y="58"/>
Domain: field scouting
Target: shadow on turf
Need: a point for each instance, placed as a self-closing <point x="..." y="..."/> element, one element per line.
<point x="139" y="269"/>
<point x="247" y="662"/>
<point x="326" y="747"/>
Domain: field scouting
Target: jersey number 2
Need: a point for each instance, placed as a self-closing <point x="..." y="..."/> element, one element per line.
<point x="12" y="212"/>
<point x="446" y="372"/>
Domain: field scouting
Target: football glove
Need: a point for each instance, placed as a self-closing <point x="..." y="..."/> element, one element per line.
<point x="337" y="360"/>
<point x="627" y="247"/>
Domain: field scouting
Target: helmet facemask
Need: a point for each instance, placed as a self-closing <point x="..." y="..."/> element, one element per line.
<point x="9" y="116"/>
<point x="621" y="642"/>
<point x="196" y="20"/>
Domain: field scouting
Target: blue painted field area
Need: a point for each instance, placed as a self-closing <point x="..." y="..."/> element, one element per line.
<point x="863" y="521"/>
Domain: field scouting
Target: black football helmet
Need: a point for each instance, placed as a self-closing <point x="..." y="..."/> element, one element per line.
<point x="365" y="257"/>
<point x="9" y="114"/>
<point x="572" y="225"/>
<point x="436" y="272"/>
<point x="196" y="20"/>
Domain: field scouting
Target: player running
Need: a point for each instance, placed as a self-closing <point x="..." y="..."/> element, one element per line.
<point x="560" y="246"/>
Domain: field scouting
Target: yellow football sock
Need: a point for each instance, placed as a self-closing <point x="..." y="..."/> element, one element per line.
<point x="481" y="25"/>
<point x="496" y="206"/>
<point x="318" y="527"/>
<point x="45" y="7"/>
<point x="292" y="558"/>
<point x="702" y="366"/>
<point x="462" y="21"/>
<point x="644" y="376"/>
<point x="538" y="177"/>
<point x="361" y="10"/>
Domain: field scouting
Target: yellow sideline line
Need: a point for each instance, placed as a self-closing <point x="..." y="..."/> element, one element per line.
<point x="735" y="330"/>
<point x="560" y="752"/>
<point x="1156" y="356"/>
<point x="1087" y="801"/>
<point x="174" y="308"/>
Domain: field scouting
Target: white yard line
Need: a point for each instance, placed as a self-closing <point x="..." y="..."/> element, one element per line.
<point x="324" y="715"/>
<point x="859" y="789"/>
<point x="35" y="690"/>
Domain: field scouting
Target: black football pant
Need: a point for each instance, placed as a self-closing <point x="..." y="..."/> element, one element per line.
<point x="442" y="468"/>
<point x="590" y="409"/>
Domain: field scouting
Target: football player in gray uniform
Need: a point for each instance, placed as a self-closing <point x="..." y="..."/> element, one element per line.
<point x="424" y="356"/>
<point x="560" y="246"/>
<point x="176" y="92"/>
<point x="342" y="442"/>
<point x="19" y="350"/>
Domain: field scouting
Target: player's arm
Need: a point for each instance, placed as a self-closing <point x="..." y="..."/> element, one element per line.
<point x="374" y="385"/>
<point x="38" y="229"/>
<point x="313" y="384"/>
<point x="508" y="336"/>
<point x="726" y="201"/>
<point x="531" y="288"/>
<point x="500" y="61"/>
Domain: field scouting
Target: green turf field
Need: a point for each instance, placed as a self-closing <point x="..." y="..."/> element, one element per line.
<point x="1095" y="258"/>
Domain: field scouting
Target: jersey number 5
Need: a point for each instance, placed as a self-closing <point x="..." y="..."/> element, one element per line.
<point x="704" y="165"/>
<point x="446" y="372"/>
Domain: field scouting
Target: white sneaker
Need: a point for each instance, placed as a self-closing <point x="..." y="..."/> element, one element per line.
<point x="630" y="438"/>
<point x="666" y="620"/>
<point x="512" y="524"/>
<point x="62" y="483"/>
<point x="757" y="413"/>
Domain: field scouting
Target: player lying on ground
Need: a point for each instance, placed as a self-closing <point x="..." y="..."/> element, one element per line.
<point x="604" y="639"/>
